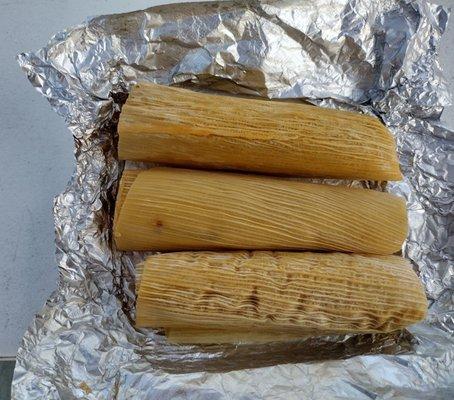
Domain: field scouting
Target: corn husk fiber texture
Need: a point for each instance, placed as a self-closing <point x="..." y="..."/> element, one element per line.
<point x="167" y="209"/>
<point x="179" y="127"/>
<point x="313" y="293"/>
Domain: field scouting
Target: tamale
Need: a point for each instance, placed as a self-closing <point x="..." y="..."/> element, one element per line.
<point x="237" y="291"/>
<point x="180" y="127"/>
<point x="176" y="209"/>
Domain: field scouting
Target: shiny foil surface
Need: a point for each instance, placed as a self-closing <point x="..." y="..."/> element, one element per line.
<point x="375" y="56"/>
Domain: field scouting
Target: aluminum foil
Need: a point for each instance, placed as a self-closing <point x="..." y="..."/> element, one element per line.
<point x="376" y="56"/>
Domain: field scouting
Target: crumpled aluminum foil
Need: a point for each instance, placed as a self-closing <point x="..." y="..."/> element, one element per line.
<point x="377" y="56"/>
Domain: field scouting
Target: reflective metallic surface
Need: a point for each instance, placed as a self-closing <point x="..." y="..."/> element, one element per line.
<point x="379" y="57"/>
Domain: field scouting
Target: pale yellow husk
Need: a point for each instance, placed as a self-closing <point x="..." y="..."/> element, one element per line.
<point x="297" y="293"/>
<point x="180" y="127"/>
<point x="175" y="209"/>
